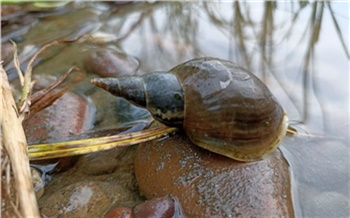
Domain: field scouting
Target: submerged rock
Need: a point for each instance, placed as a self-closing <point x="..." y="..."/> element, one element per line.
<point x="109" y="63"/>
<point x="84" y="199"/>
<point x="208" y="184"/>
<point x="120" y="212"/>
<point x="68" y="116"/>
<point x="102" y="162"/>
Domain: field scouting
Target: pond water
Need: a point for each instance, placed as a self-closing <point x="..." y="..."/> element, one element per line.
<point x="299" y="49"/>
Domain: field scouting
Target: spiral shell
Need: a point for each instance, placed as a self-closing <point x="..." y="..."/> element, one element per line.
<point x="229" y="110"/>
<point x="222" y="107"/>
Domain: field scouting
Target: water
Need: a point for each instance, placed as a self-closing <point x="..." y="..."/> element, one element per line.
<point x="299" y="49"/>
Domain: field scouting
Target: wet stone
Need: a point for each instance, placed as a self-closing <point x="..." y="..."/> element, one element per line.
<point x="102" y="162"/>
<point x="208" y="184"/>
<point x="157" y="207"/>
<point x="112" y="112"/>
<point x="67" y="116"/>
<point x="84" y="199"/>
<point x="109" y="63"/>
<point x="114" y="189"/>
<point x="120" y="212"/>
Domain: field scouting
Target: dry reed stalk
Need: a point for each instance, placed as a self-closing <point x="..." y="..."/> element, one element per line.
<point x="14" y="141"/>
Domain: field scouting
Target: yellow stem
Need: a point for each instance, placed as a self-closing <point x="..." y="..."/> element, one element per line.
<point x="84" y="146"/>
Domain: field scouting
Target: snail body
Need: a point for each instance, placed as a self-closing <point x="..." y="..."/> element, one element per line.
<point x="222" y="107"/>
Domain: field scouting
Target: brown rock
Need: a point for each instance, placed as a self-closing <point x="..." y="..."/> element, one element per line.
<point x="208" y="184"/>
<point x="162" y="207"/>
<point x="69" y="115"/>
<point x="102" y="162"/>
<point x="110" y="63"/>
<point x="84" y="199"/>
<point x="119" y="212"/>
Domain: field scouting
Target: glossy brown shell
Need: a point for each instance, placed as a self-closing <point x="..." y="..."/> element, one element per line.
<point x="229" y="110"/>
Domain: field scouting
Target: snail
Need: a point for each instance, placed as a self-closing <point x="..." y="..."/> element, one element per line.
<point x="222" y="107"/>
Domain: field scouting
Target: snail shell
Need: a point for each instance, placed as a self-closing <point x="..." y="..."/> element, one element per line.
<point x="222" y="107"/>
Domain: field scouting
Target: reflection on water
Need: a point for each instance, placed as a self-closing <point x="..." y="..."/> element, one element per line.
<point x="299" y="49"/>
